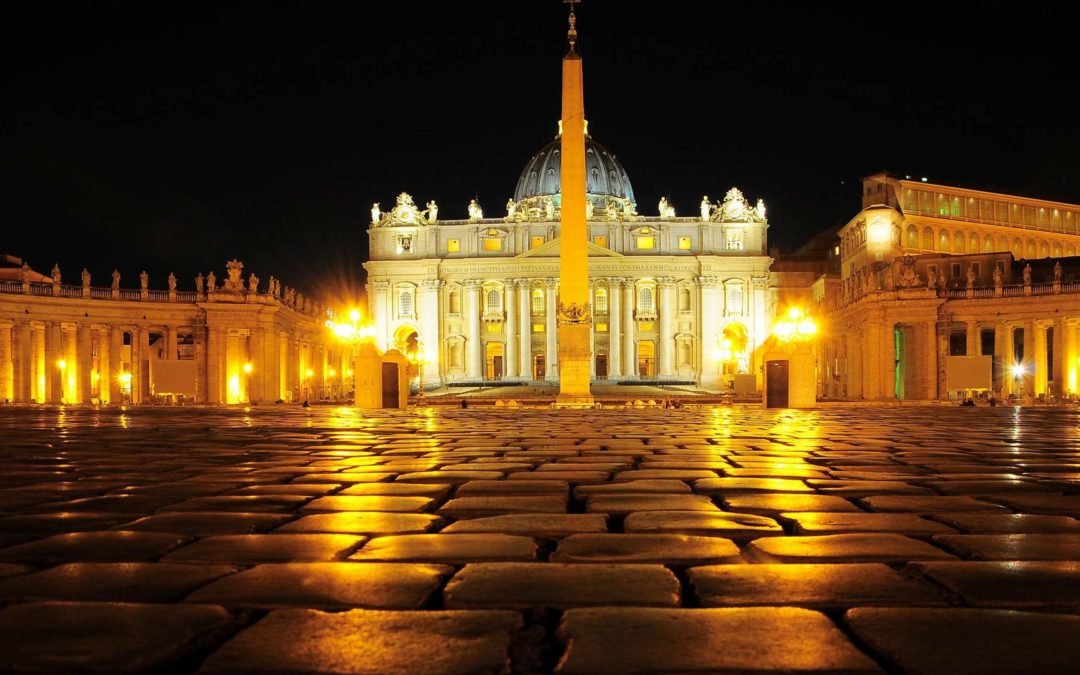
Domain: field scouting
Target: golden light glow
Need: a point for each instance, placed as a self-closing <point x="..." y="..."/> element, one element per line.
<point x="348" y="372"/>
<point x="309" y="372"/>
<point x="797" y="326"/>
<point x="878" y="232"/>
<point x="234" y="389"/>
<point x="61" y="364"/>
<point x="354" y="315"/>
<point x="124" y="378"/>
<point x="1018" y="370"/>
<point x="247" y="368"/>
<point x="333" y="372"/>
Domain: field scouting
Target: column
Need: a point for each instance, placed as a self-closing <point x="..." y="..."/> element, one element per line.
<point x="6" y="383"/>
<point x="144" y="366"/>
<point x="854" y="375"/>
<point x="711" y="306"/>
<point x="271" y="360"/>
<point x="629" y="348"/>
<point x="511" y="327"/>
<point x="473" y="355"/>
<point x="54" y="352"/>
<point x="974" y="339"/>
<point x="668" y="309"/>
<point x="21" y="363"/>
<point x="871" y="352"/>
<point x="171" y="346"/>
<point x="759" y="298"/>
<point x="429" y="332"/>
<point x="1072" y="352"/>
<point x="215" y="352"/>
<point x="551" y="357"/>
<point x="1029" y="358"/>
<point x="85" y="358"/>
<point x="944" y="328"/>
<point x="260" y="366"/>
<point x="1058" y="367"/>
<point x="525" y="328"/>
<point x="380" y="291"/>
<point x="1000" y="359"/>
<point x="615" y="328"/>
<point x="1041" y="369"/>
<point x="116" y="349"/>
<point x="37" y="364"/>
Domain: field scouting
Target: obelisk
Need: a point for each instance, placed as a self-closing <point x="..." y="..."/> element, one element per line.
<point x="574" y="316"/>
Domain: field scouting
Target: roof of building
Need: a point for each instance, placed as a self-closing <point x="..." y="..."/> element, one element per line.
<point x="604" y="174"/>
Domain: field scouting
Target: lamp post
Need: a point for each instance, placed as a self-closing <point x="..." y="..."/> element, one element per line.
<point x="417" y="358"/>
<point x="355" y="335"/>
<point x="1018" y="372"/>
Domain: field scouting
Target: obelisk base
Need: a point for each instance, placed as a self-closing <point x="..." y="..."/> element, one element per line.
<point x="574" y="370"/>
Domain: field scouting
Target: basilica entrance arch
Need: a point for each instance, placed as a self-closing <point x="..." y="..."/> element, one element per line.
<point x="493" y="352"/>
<point x="406" y="340"/>
<point x="646" y="359"/>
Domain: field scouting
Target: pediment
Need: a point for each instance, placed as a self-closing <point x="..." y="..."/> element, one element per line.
<point x="552" y="249"/>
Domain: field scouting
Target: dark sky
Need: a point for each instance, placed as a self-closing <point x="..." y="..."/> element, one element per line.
<point x="174" y="136"/>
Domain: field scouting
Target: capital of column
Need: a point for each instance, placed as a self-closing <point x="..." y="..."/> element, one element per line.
<point x="616" y="282"/>
<point x="551" y="283"/>
<point x="665" y="281"/>
<point x="519" y="283"/>
<point x="471" y="284"/>
<point x="709" y="282"/>
<point x="381" y="286"/>
<point x="430" y="284"/>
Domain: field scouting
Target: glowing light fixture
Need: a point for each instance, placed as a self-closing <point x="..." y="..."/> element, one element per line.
<point x="124" y="378"/>
<point x="247" y="368"/>
<point x="61" y="364"/>
<point x="309" y="372"/>
<point x="1019" y="370"/>
<point x="796" y="327"/>
<point x="333" y="372"/>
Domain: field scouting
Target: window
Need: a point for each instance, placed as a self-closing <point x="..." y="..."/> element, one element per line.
<point x="537" y="301"/>
<point x="734" y="296"/>
<point x="537" y="241"/>
<point x="600" y="240"/>
<point x="645" y="300"/>
<point x="601" y="327"/>
<point x="734" y="240"/>
<point x="955" y="270"/>
<point x="538" y="328"/>
<point x="975" y="269"/>
<point x="684" y="243"/>
<point x="492" y="244"/>
<point x="453" y="246"/>
<point x="601" y="301"/>
<point x="455" y="302"/>
<point x="405" y="302"/>
<point x="646" y="243"/>
<point x="684" y="299"/>
<point x="404" y="244"/>
<point x="494" y="301"/>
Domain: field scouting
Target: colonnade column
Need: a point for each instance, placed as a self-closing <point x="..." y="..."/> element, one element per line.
<point x="667" y="325"/>
<point x="215" y="352"/>
<point x="1029" y="358"/>
<point x="711" y="306"/>
<point x="615" y="328"/>
<point x="943" y="331"/>
<point x="1041" y="370"/>
<point x="6" y="376"/>
<point x="54" y="352"/>
<point x="380" y="291"/>
<point x="551" y="358"/>
<point x="629" y="352"/>
<point x="1072" y="355"/>
<point x="429" y="331"/>
<point x="974" y="340"/>
<point x="1057" y="368"/>
<point x="872" y="353"/>
<point x="260" y="365"/>
<point x="525" y="329"/>
<point x="21" y="363"/>
<point x="84" y="349"/>
<point x="116" y="347"/>
<point x="854" y="365"/>
<point x="511" y="326"/>
<point x="473" y="356"/>
<point x="171" y="346"/>
<point x="143" y="365"/>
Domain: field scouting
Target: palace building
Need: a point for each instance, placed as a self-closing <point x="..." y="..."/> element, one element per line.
<point x="927" y="278"/>
<point x="674" y="298"/>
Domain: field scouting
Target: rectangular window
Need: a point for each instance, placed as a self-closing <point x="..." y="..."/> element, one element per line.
<point x="493" y="244"/>
<point x="956" y="270"/>
<point x="600" y="240"/>
<point x="684" y="243"/>
<point x="645" y="243"/>
<point x="601" y="328"/>
<point x="734" y="242"/>
<point x="537" y="241"/>
<point x="453" y="246"/>
<point x="538" y="328"/>
<point x="644" y="326"/>
<point x="975" y="269"/>
<point x="494" y="327"/>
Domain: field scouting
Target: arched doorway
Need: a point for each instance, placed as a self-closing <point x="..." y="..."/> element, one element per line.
<point x="733" y="354"/>
<point x="539" y="371"/>
<point x="646" y="359"/>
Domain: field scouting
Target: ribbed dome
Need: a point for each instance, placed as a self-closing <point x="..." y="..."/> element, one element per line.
<point x="604" y="175"/>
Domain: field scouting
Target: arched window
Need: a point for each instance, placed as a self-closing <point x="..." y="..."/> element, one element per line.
<point x="928" y="239"/>
<point x="1044" y="249"/>
<point x="684" y="299"/>
<point x="973" y="243"/>
<point x="645" y="300"/>
<point x="912" y="237"/>
<point x="733" y="294"/>
<point x="988" y="244"/>
<point x="600" y="305"/>
<point x="455" y="302"/>
<point x="405" y="302"/>
<point x="958" y="242"/>
<point x="943" y="242"/>
<point x="537" y="301"/>
<point x="494" y="301"/>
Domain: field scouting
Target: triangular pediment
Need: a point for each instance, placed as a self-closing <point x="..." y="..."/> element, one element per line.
<point x="552" y="249"/>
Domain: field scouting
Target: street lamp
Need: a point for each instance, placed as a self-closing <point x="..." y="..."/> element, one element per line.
<point x="353" y="334"/>
<point x="796" y="327"/>
<point x="418" y="359"/>
<point x="1018" y="372"/>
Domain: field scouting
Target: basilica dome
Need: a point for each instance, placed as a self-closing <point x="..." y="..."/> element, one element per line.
<point x="604" y="175"/>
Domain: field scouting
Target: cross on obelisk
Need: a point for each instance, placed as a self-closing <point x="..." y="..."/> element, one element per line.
<point x="574" y="316"/>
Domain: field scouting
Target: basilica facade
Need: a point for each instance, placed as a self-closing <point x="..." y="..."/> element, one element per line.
<point x="674" y="298"/>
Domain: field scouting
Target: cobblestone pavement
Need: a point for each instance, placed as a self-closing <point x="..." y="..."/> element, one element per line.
<point x="858" y="539"/>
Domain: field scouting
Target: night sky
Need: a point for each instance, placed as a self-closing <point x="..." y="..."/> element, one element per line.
<point x="172" y="137"/>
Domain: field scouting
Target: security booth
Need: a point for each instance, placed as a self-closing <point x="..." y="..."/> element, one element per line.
<point x="395" y="380"/>
<point x="789" y="375"/>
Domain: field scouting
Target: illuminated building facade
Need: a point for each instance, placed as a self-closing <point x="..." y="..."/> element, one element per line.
<point x="673" y="298"/>
<point x="928" y="272"/>
<point x="230" y="343"/>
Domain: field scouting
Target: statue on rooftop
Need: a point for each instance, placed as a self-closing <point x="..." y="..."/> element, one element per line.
<point x="211" y="281"/>
<point x="511" y="207"/>
<point x="199" y="283"/>
<point x="172" y="281"/>
<point x="24" y="272"/>
<point x="475" y="212"/>
<point x="144" y="280"/>
<point x="116" y="279"/>
<point x="706" y="209"/>
<point x="1057" y="272"/>
<point x="85" y="278"/>
<point x="1027" y="274"/>
<point x="589" y="209"/>
<point x="235" y="283"/>
<point x="253" y="283"/>
<point x="997" y="277"/>
<point x="760" y="209"/>
<point x="432" y="211"/>
<point x="56" y="273"/>
<point x="376" y="214"/>
<point x="549" y="208"/>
